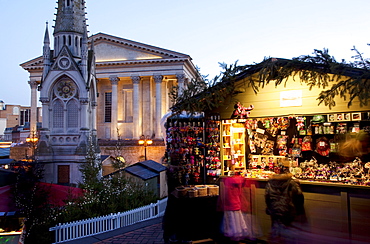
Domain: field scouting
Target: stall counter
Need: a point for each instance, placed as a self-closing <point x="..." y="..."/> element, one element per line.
<point x="333" y="210"/>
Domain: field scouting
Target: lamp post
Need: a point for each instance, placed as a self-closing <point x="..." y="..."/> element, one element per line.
<point x="145" y="141"/>
<point x="32" y="140"/>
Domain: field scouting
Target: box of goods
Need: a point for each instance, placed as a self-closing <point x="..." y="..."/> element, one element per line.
<point x="212" y="190"/>
<point x="181" y="191"/>
<point x="202" y="190"/>
<point x="193" y="193"/>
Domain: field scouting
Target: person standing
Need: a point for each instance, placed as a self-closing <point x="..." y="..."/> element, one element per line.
<point x="285" y="201"/>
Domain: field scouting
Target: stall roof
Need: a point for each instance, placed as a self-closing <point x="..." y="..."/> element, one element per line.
<point x="141" y="171"/>
<point x="157" y="167"/>
<point x="6" y="161"/>
<point x="4" y="152"/>
<point x="104" y="157"/>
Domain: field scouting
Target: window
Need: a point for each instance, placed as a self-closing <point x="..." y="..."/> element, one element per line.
<point x="108" y="107"/>
<point x="15" y="111"/>
<point x="72" y="114"/>
<point x="25" y="116"/>
<point x="58" y="116"/>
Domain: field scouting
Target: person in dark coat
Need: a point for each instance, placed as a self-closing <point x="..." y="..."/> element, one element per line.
<point x="285" y="201"/>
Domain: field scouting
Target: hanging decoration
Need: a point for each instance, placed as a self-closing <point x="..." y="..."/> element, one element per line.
<point x="241" y="112"/>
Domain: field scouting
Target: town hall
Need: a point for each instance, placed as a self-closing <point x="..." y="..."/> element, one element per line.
<point x="97" y="87"/>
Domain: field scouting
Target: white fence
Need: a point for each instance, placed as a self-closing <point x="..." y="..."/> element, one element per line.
<point x="89" y="227"/>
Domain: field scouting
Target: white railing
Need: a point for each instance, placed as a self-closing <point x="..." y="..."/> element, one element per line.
<point x="89" y="227"/>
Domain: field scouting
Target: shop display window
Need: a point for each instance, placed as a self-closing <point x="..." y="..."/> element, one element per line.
<point x="233" y="141"/>
<point x="211" y="147"/>
<point x="193" y="148"/>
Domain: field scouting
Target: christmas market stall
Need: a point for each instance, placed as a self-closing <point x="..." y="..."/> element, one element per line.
<point x="277" y="115"/>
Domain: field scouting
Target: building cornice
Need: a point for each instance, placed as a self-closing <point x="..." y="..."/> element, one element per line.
<point x="142" y="61"/>
<point x="137" y="45"/>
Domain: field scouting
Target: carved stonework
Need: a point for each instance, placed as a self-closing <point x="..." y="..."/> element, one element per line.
<point x="135" y="79"/>
<point x="158" y="78"/>
<point x="44" y="100"/>
<point x="180" y="77"/>
<point x="113" y="79"/>
<point x="65" y="89"/>
<point x="33" y="84"/>
<point x="84" y="101"/>
<point x="64" y="63"/>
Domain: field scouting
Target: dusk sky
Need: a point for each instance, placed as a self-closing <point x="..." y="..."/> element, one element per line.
<point x="210" y="31"/>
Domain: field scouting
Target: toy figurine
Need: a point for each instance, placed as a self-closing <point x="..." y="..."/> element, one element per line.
<point x="241" y="112"/>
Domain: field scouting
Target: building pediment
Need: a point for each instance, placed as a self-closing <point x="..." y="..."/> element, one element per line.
<point x="115" y="49"/>
<point x="64" y="61"/>
<point x="33" y="64"/>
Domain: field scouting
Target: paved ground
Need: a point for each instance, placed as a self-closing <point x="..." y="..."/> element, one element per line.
<point x="149" y="231"/>
<point x="150" y="234"/>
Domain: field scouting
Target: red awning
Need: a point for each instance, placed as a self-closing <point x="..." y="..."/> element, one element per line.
<point x="58" y="194"/>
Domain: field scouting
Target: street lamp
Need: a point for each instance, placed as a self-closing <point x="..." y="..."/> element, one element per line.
<point x="33" y="141"/>
<point x="145" y="141"/>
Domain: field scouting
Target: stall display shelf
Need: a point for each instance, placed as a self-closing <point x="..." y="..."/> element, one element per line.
<point x="233" y="150"/>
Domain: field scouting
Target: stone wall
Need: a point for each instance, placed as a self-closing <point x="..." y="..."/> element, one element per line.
<point x="132" y="152"/>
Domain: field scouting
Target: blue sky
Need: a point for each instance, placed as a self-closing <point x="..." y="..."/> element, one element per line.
<point x="210" y="31"/>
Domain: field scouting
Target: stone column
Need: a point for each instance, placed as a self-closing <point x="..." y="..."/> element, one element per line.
<point x="136" y="107"/>
<point x="84" y="107"/>
<point x="180" y="83"/>
<point x="114" y="81"/>
<point x="158" y="105"/>
<point x="45" y="112"/>
<point x="94" y="105"/>
<point x="33" y="123"/>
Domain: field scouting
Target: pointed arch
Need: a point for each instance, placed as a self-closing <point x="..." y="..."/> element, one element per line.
<point x="58" y="114"/>
<point x="72" y="114"/>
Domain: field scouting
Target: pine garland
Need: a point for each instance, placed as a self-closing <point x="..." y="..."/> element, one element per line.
<point x="349" y="81"/>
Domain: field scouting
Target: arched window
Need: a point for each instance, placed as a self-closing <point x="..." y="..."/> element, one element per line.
<point x="15" y="111"/>
<point x="58" y="114"/>
<point x="76" y="41"/>
<point x="69" y="41"/>
<point x="72" y="114"/>
<point x="64" y="40"/>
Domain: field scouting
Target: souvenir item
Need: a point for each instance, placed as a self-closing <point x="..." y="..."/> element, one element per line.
<point x="282" y="144"/>
<point x="296" y="149"/>
<point x="301" y="125"/>
<point x="317" y="119"/>
<point x="241" y="112"/>
<point x="323" y="146"/>
<point x="306" y="143"/>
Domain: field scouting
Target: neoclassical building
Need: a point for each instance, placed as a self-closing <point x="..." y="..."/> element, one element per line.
<point x="134" y="80"/>
<point x="97" y="87"/>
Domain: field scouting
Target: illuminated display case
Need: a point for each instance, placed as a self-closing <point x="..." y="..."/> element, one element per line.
<point x="233" y="146"/>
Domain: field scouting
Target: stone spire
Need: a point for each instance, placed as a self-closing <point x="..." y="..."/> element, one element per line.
<point x="46" y="52"/>
<point x="84" y="55"/>
<point x="69" y="26"/>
